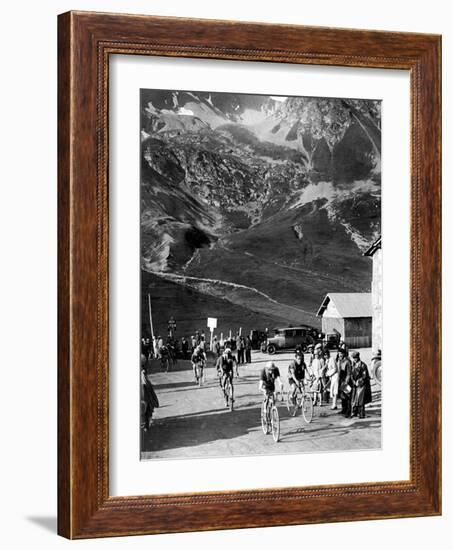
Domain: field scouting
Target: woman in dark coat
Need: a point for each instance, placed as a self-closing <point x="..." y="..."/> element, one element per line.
<point x="149" y="400"/>
<point x="361" y="386"/>
<point x="248" y="350"/>
<point x="344" y="382"/>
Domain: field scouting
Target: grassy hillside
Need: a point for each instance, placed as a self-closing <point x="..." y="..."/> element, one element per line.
<point x="191" y="310"/>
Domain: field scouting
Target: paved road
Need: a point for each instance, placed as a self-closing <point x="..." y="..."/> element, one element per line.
<point x="193" y="422"/>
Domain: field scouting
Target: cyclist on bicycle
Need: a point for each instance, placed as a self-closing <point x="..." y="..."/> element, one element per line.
<point x="296" y="373"/>
<point x="198" y="359"/>
<point x="269" y="375"/>
<point x="225" y="367"/>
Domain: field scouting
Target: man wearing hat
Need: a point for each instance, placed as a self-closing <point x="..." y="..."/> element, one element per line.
<point x="345" y="381"/>
<point x="296" y="373"/>
<point x="318" y="370"/>
<point x="361" y="387"/>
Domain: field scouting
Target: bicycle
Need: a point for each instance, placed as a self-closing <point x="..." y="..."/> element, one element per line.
<point x="227" y="390"/>
<point x="270" y="420"/>
<point x="300" y="400"/>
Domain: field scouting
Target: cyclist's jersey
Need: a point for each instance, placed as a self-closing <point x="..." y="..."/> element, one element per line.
<point x="197" y="357"/>
<point x="225" y="365"/>
<point x="268" y="377"/>
<point x="296" y="371"/>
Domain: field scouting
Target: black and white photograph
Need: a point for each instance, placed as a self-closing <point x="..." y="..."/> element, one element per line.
<point x="261" y="274"/>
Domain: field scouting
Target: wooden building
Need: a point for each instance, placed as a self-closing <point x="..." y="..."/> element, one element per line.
<point x="350" y="314"/>
<point x="375" y="252"/>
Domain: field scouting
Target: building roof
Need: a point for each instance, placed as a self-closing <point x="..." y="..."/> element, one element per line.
<point x="349" y="304"/>
<point x="372" y="249"/>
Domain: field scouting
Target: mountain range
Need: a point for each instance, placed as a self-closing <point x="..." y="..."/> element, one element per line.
<point x="254" y="207"/>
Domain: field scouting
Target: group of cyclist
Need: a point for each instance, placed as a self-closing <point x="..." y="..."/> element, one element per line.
<point x="345" y="377"/>
<point x="324" y="374"/>
<point x="270" y="374"/>
<point x="227" y="366"/>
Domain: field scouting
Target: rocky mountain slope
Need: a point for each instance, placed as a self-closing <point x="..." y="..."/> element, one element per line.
<point x="264" y="203"/>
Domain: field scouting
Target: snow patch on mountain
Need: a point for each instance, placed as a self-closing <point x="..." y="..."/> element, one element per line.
<point x="158" y="260"/>
<point x="184" y="111"/>
<point x="359" y="240"/>
<point x="327" y="190"/>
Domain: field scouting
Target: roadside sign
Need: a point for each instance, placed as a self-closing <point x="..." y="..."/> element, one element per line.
<point x="212" y="323"/>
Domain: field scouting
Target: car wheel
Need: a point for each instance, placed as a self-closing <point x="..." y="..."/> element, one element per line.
<point x="271" y="349"/>
<point x="378" y="373"/>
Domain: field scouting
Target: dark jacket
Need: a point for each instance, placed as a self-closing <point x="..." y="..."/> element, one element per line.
<point x="344" y="379"/>
<point x="361" y="393"/>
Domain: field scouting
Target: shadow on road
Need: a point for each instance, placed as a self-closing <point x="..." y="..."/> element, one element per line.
<point x="174" y="385"/>
<point x="313" y="432"/>
<point x="195" y="429"/>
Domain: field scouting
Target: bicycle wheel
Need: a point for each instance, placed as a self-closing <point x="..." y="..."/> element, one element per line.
<point x="378" y="374"/>
<point x="307" y="408"/>
<point x="291" y="403"/>
<point x="275" y="423"/>
<point x="231" y="395"/>
<point x="264" y="421"/>
<point x="226" y="391"/>
<point x="222" y="391"/>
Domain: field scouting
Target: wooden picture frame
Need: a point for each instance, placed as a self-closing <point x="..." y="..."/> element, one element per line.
<point x="85" y="41"/>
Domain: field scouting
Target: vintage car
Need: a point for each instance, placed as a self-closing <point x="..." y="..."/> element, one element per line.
<point x="376" y="367"/>
<point x="257" y="337"/>
<point x="291" y="338"/>
<point x="332" y="340"/>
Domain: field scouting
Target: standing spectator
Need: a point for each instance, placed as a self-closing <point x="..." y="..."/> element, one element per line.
<point x="344" y="382"/>
<point x="318" y="369"/>
<point x="202" y="342"/>
<point x="248" y="350"/>
<point x="332" y="373"/>
<point x="149" y="400"/>
<point x="226" y="343"/>
<point x="217" y="347"/>
<point x="193" y="342"/>
<point x="145" y="348"/>
<point x="160" y="345"/>
<point x="184" y="348"/>
<point x="172" y="351"/>
<point x="240" y="344"/>
<point x="342" y="345"/>
<point x="150" y="344"/>
<point x="361" y="387"/>
<point x="237" y="345"/>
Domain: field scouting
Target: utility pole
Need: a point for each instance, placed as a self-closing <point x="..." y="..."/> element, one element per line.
<point x="150" y="316"/>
